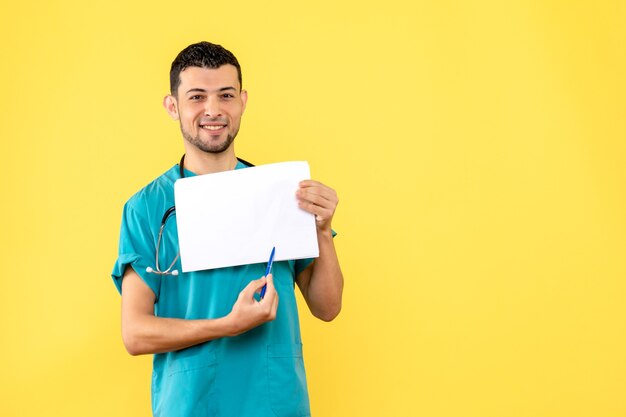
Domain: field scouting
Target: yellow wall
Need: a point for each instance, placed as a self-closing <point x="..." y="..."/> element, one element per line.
<point x="478" y="149"/>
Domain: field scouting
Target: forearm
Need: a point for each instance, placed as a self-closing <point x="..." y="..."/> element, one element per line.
<point x="322" y="282"/>
<point x="325" y="286"/>
<point x="145" y="333"/>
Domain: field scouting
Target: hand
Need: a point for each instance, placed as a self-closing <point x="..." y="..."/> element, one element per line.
<point x="247" y="312"/>
<point x="319" y="200"/>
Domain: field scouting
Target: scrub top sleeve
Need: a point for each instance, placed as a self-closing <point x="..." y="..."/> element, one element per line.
<point x="136" y="249"/>
<point x="301" y="264"/>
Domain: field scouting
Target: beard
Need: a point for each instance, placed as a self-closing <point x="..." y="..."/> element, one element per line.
<point x="217" y="147"/>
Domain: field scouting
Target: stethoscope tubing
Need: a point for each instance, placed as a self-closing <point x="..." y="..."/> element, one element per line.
<point x="168" y="213"/>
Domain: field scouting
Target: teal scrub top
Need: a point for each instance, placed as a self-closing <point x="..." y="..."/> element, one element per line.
<point x="258" y="373"/>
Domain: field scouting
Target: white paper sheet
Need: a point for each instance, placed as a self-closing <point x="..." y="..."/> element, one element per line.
<point x="236" y="217"/>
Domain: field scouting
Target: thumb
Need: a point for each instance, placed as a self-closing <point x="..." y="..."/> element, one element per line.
<point x="270" y="286"/>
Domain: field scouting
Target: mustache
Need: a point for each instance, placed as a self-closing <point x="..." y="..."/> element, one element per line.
<point x="213" y="120"/>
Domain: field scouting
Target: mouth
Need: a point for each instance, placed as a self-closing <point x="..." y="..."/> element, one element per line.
<point x="213" y="127"/>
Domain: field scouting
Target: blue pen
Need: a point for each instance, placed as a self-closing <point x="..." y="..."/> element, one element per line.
<point x="268" y="270"/>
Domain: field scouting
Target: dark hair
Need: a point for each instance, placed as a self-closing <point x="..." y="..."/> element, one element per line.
<point x="203" y="55"/>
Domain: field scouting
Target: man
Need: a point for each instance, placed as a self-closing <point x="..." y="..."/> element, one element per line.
<point x="218" y="351"/>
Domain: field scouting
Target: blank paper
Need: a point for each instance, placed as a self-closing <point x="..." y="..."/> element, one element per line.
<point x="235" y="217"/>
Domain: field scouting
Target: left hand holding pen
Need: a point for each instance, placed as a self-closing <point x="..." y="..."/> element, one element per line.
<point x="319" y="200"/>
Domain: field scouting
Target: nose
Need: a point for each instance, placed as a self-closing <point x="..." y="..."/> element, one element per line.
<point x="212" y="107"/>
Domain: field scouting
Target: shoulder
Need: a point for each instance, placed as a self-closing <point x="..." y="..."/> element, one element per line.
<point x="156" y="194"/>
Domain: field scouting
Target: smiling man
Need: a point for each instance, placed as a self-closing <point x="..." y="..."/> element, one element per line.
<point x="218" y="350"/>
<point x="210" y="106"/>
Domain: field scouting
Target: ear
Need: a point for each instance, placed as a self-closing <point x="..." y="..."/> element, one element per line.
<point x="244" y="99"/>
<point x="171" y="106"/>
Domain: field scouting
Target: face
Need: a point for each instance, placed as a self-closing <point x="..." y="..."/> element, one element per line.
<point x="209" y="105"/>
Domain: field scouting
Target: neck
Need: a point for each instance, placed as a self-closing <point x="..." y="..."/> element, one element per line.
<point x="201" y="163"/>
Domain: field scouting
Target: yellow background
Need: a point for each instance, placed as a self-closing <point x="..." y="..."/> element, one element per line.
<point x="477" y="147"/>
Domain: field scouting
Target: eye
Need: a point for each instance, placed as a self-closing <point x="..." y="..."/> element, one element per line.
<point x="227" y="96"/>
<point x="196" y="97"/>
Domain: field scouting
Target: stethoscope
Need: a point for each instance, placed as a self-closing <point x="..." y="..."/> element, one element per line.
<point x="169" y="213"/>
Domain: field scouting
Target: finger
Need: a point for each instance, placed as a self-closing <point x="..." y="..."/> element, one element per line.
<point x="274" y="296"/>
<point x="254" y="286"/>
<point x="317" y="199"/>
<point x="321" y="213"/>
<point x="270" y="284"/>
<point x="270" y="291"/>
<point x="313" y="184"/>
<point x="320" y="190"/>
<point x="309" y="183"/>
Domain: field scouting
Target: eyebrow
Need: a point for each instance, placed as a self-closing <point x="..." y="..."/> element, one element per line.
<point x="202" y="90"/>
